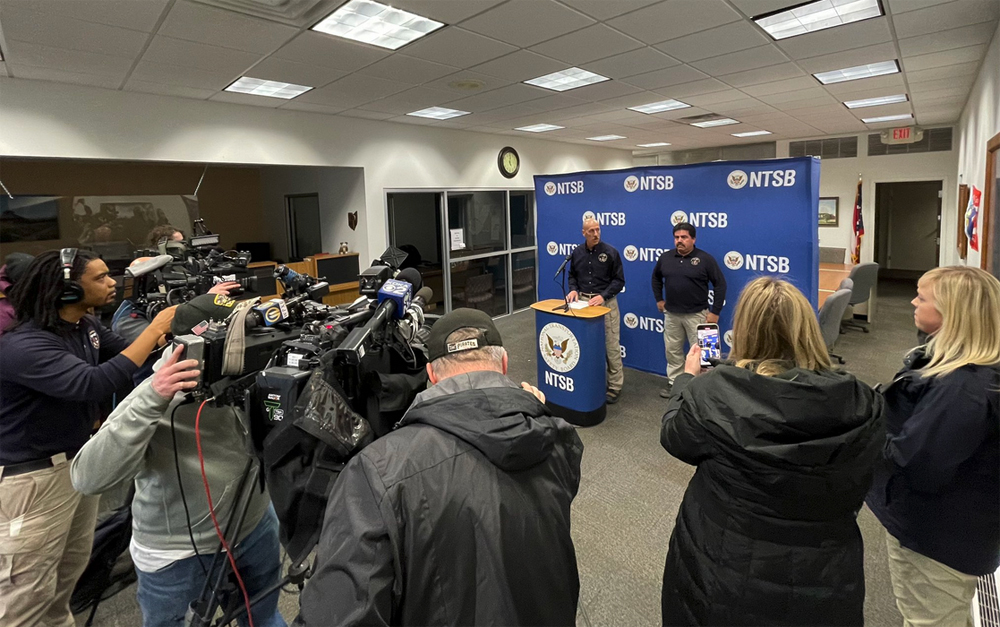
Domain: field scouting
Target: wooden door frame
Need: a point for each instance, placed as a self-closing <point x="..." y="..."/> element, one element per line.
<point x="988" y="220"/>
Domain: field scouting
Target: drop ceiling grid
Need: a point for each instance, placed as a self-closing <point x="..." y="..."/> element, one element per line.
<point x="704" y="52"/>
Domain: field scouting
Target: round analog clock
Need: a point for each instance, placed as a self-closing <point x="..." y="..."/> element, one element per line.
<point x="509" y="162"/>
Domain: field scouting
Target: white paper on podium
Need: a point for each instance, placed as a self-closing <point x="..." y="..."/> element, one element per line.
<point x="579" y="304"/>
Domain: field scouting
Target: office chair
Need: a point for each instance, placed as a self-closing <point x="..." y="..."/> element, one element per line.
<point x="830" y="315"/>
<point x="864" y="276"/>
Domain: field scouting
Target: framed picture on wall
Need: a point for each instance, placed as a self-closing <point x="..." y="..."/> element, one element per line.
<point x="829" y="211"/>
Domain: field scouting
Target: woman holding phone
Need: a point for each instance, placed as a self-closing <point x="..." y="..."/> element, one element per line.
<point x="785" y="448"/>
<point x="937" y="490"/>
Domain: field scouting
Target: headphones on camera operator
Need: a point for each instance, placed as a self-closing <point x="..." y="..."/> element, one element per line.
<point x="72" y="292"/>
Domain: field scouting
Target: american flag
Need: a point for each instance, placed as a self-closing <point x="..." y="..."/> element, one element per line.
<point x="859" y="226"/>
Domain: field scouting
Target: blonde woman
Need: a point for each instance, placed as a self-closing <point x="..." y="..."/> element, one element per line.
<point x="784" y="448"/>
<point x="937" y="491"/>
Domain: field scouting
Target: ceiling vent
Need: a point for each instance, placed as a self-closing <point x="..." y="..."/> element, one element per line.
<point x="299" y="13"/>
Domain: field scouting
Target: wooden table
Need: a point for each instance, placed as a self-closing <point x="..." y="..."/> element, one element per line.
<point x="830" y="276"/>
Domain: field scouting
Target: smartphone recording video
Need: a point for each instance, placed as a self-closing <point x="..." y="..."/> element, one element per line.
<point x="708" y="340"/>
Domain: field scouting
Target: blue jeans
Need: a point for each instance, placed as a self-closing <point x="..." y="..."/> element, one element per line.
<point x="165" y="595"/>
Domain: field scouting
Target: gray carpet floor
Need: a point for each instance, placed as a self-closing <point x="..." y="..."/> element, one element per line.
<point x="631" y="488"/>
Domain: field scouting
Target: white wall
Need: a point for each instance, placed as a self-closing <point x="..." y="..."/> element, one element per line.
<point x="340" y="191"/>
<point x="980" y="120"/>
<point x="839" y="177"/>
<point x="41" y="119"/>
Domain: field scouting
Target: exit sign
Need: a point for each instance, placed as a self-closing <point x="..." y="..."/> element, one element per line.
<point x="903" y="135"/>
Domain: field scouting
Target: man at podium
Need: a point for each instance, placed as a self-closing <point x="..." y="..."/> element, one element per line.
<point x="596" y="275"/>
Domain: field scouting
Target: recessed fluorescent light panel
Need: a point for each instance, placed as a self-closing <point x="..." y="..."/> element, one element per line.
<point x="874" y="102"/>
<point x="660" y="107"/>
<point x="858" y="72"/>
<point x="271" y="89"/>
<point x="653" y="145"/>
<point x="888" y="118"/>
<point x="816" y="16"/>
<point x="539" y="128"/>
<point x="567" y="79"/>
<point x="751" y="133"/>
<point x="438" y="113"/>
<point x="711" y="123"/>
<point x="606" y="138"/>
<point x="376" y="24"/>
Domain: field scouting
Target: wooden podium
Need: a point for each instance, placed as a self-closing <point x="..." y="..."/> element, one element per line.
<point x="571" y="361"/>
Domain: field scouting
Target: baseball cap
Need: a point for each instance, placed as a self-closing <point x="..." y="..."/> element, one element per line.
<point x="464" y="318"/>
<point x="204" y="308"/>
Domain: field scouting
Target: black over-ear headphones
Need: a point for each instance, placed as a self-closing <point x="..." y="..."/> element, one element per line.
<point x="72" y="291"/>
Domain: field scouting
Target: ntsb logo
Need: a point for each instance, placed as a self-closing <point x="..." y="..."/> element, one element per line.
<point x="728" y="337"/>
<point x="643" y="323"/>
<point x="649" y="182"/>
<point x="606" y="218"/>
<point x="631" y="253"/>
<point x="738" y="179"/>
<point x="566" y="187"/>
<point x="701" y="219"/>
<point x="634" y="253"/>
<point x="735" y="260"/>
<point x="559" y="249"/>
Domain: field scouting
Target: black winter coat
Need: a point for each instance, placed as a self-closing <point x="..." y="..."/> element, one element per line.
<point x="937" y="490"/>
<point x="767" y="532"/>
<point x="461" y="516"/>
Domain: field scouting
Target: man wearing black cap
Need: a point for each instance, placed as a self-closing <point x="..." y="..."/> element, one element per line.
<point x="150" y="439"/>
<point x="461" y="515"/>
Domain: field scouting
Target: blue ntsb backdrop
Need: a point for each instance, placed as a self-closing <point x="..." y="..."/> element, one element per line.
<point x="755" y="217"/>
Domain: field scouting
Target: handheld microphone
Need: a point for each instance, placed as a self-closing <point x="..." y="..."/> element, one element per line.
<point x="415" y="312"/>
<point x="411" y="276"/>
<point x="563" y="266"/>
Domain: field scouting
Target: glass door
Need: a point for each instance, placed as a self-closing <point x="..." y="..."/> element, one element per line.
<point x="415" y="224"/>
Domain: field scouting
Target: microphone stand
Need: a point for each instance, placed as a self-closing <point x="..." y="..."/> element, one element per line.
<point x="562" y="272"/>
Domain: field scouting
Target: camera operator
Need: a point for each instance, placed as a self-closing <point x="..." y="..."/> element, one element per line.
<point x="164" y="232"/>
<point x="461" y="515"/>
<point x="151" y="438"/>
<point x="58" y="364"/>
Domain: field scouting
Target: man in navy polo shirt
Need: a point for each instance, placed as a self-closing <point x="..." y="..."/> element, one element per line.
<point x="57" y="364"/>
<point x="596" y="275"/>
<point x="680" y="286"/>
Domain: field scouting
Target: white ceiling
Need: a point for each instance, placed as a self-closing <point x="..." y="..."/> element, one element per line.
<point x="706" y="53"/>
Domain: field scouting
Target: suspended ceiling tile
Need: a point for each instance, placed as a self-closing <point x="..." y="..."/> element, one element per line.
<point x="692" y="88"/>
<point x="779" y="87"/>
<point x="196" y="22"/>
<point x="970" y="68"/>
<point x="275" y="69"/>
<point x="902" y="6"/>
<point x="511" y="94"/>
<point x="715" y="41"/>
<point x="62" y="32"/>
<point x="945" y="16"/>
<point x="631" y="63"/>
<point x="458" y="47"/>
<point x="741" y="61"/>
<point x="525" y="23"/>
<point x="405" y="69"/>
<point x="319" y="49"/>
<point x="520" y="66"/>
<point x="946" y="57"/>
<point x="169" y="74"/>
<point x="71" y="61"/>
<point x="670" y="20"/>
<point x="666" y="77"/>
<point x="61" y="76"/>
<point x="948" y="39"/>
<point x="604" y="10"/>
<point x="197" y="55"/>
<point x="168" y="90"/>
<point x="411" y="100"/>
<point x="591" y="43"/>
<point x="604" y="91"/>
<point x="130" y="14"/>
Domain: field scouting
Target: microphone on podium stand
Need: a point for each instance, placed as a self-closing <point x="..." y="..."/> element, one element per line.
<point x="562" y="271"/>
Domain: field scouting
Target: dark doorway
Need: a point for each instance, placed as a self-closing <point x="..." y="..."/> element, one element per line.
<point x="907" y="228"/>
<point x="305" y="236"/>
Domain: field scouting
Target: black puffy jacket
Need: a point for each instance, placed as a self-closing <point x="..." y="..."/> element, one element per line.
<point x="767" y="532"/>
<point x="461" y="516"/>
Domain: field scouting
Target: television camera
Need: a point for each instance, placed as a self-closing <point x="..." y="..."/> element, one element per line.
<point x="176" y="272"/>
<point x="317" y="383"/>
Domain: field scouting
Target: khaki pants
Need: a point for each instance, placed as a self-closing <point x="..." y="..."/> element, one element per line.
<point x="612" y="347"/>
<point x="677" y="328"/>
<point x="928" y="592"/>
<point x="46" y="533"/>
